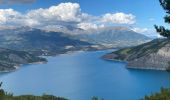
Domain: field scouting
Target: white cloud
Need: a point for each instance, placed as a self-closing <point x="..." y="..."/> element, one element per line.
<point x="87" y="26"/>
<point x="151" y="19"/>
<point x="146" y="31"/>
<point x="62" y="14"/>
<point x="66" y="12"/>
<point x="8" y="15"/>
<point x="141" y="30"/>
<point x="119" y="18"/>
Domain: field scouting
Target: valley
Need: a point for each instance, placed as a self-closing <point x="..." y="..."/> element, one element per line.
<point x="84" y="50"/>
<point x="37" y="42"/>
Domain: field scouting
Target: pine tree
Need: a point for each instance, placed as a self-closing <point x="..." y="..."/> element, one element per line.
<point x="95" y="98"/>
<point x="161" y="29"/>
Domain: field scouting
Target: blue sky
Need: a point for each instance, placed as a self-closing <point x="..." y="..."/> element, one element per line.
<point x="146" y="12"/>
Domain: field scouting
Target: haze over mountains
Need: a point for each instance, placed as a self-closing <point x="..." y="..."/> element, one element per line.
<point x="26" y="38"/>
<point x="110" y="36"/>
<point x="113" y="37"/>
<point x="36" y="42"/>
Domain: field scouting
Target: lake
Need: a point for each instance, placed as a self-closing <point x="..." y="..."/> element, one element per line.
<point x="82" y="75"/>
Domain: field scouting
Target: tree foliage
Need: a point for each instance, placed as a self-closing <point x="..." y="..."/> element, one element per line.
<point x="9" y="96"/>
<point x="161" y="29"/>
<point x="164" y="94"/>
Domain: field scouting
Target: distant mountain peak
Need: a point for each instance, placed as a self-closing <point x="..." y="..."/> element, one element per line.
<point x="120" y="28"/>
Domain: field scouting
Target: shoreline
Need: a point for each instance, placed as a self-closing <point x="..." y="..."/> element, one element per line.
<point x="143" y="68"/>
<point x="116" y="60"/>
<point x="39" y="62"/>
<point x="132" y="67"/>
<point x="17" y="67"/>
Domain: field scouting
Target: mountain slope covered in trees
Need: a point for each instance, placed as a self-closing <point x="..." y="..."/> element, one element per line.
<point x="38" y="41"/>
<point x="11" y="59"/>
<point x="9" y="96"/>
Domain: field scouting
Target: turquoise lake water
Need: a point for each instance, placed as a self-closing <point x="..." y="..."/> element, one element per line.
<point x="82" y="75"/>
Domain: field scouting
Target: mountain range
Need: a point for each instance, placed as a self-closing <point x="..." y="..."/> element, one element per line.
<point x="43" y="42"/>
<point x="38" y="41"/>
<point x="24" y="44"/>
<point x="113" y="37"/>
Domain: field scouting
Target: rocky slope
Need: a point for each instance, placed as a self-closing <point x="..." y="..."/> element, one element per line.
<point x="151" y="55"/>
<point x="11" y="59"/>
<point x="114" y="37"/>
<point x="108" y="37"/>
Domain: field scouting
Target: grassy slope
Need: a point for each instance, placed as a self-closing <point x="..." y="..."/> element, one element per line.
<point x="132" y="53"/>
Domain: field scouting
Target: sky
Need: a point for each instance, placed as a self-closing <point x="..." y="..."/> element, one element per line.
<point x="141" y="15"/>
